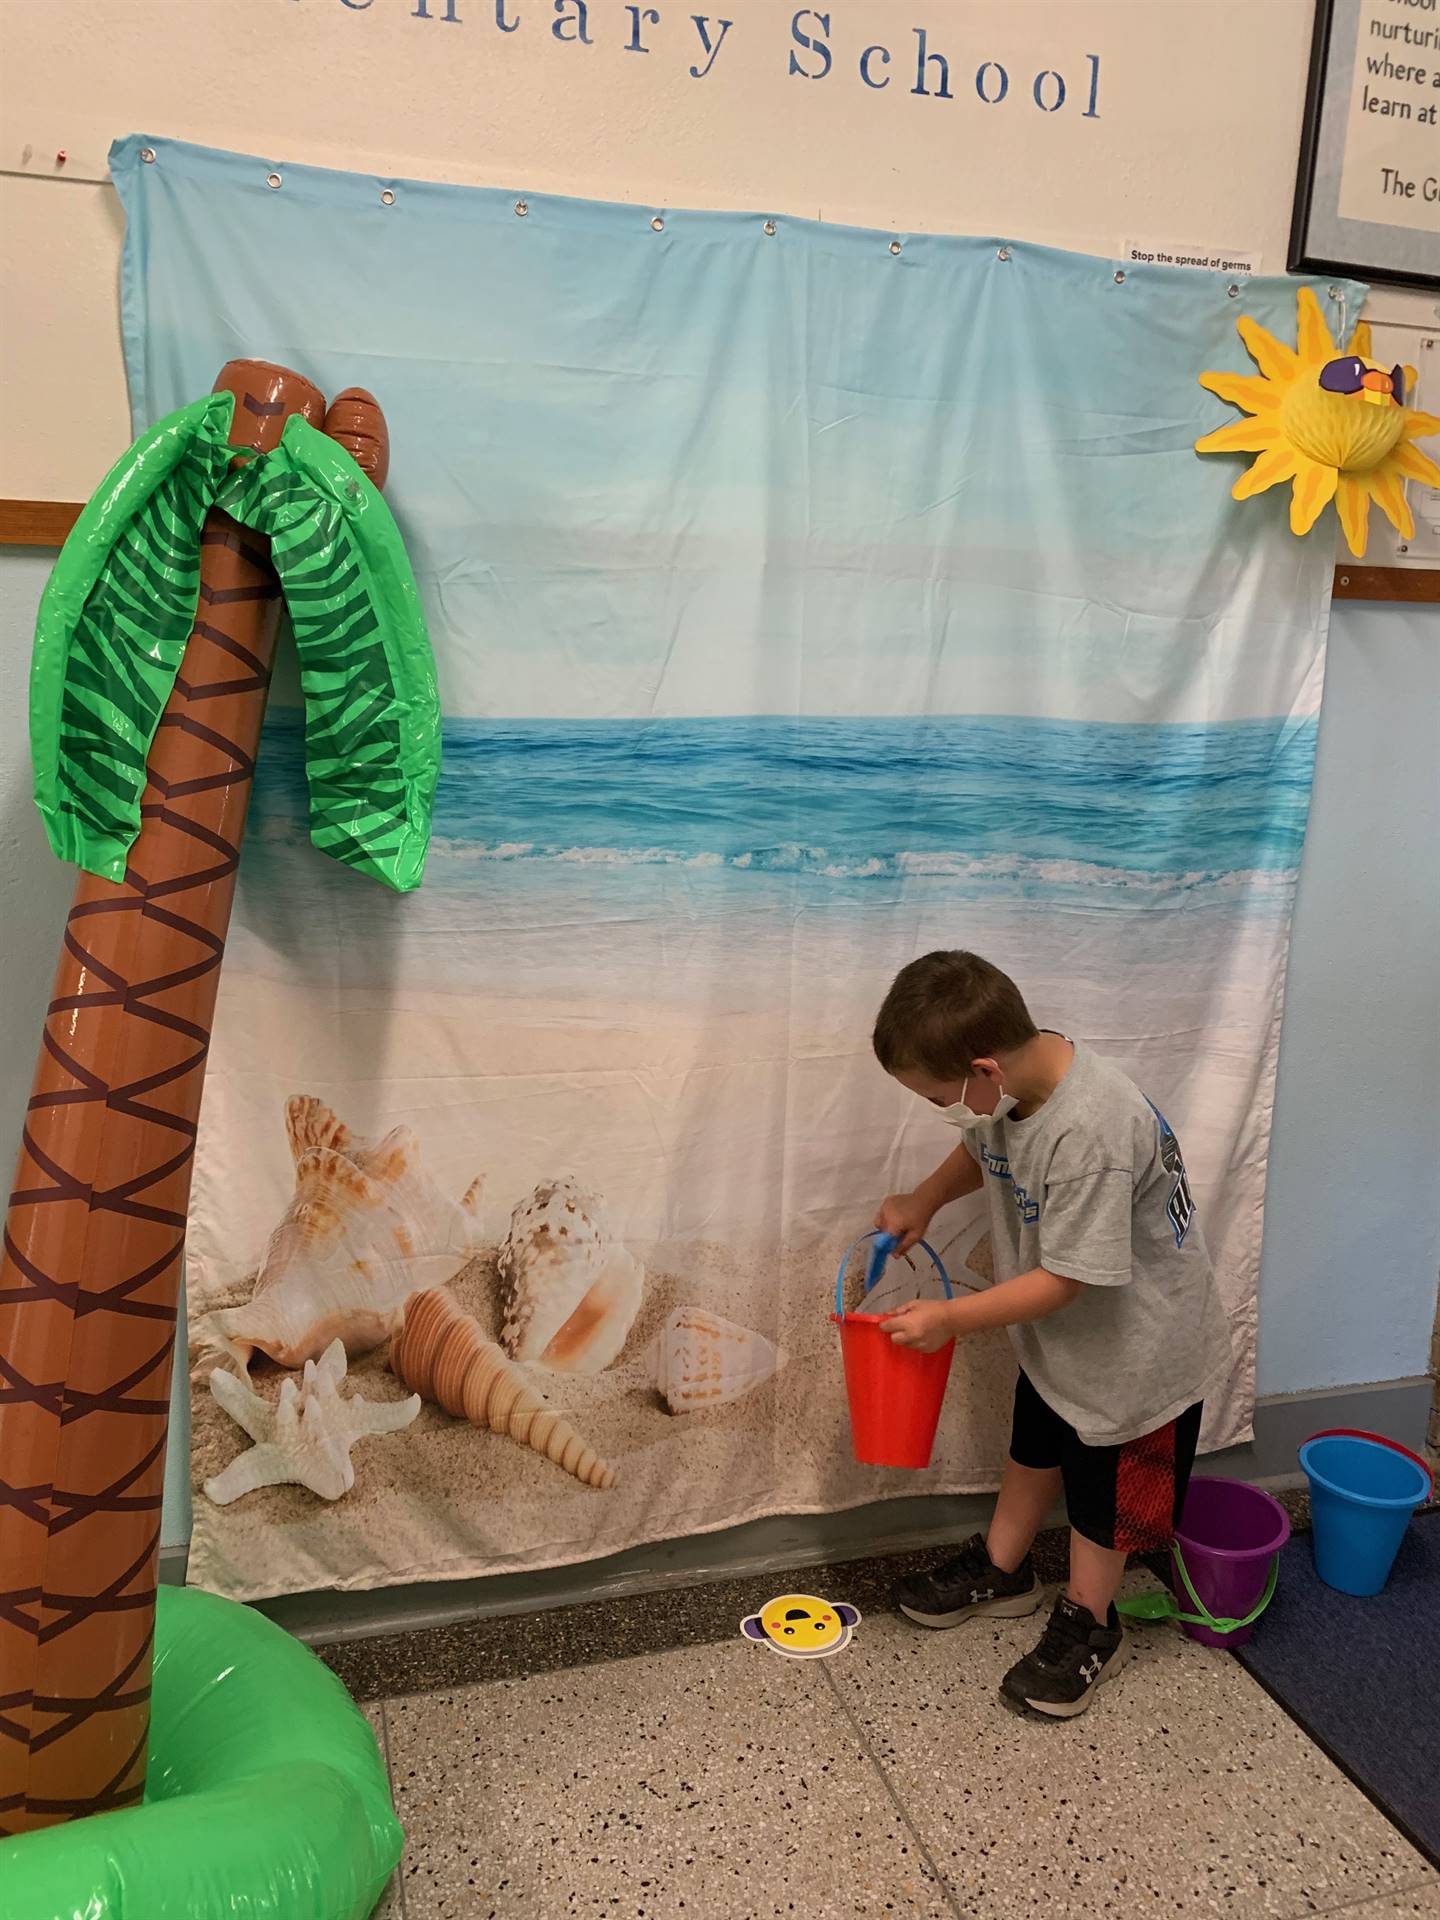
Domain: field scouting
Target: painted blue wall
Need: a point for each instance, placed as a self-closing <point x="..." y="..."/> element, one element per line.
<point x="1352" y="1206"/>
<point x="1352" y="1226"/>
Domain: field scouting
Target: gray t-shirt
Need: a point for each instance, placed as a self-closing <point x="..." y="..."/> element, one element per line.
<point x="1092" y="1186"/>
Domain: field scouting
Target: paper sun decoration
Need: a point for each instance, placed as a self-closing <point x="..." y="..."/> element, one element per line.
<point x="1333" y="424"/>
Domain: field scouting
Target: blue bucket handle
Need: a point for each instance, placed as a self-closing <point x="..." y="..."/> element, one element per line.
<point x="885" y="1245"/>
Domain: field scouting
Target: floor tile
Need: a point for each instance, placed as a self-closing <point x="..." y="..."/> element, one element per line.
<point x="469" y="1653"/>
<point x="703" y="1784"/>
<point x="1183" y="1790"/>
<point x="1416" y="1903"/>
<point x="391" y="1906"/>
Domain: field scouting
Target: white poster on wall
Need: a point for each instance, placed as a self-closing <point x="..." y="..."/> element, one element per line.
<point x="1391" y="170"/>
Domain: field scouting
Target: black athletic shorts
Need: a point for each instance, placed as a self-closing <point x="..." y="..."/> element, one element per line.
<point x="1126" y="1497"/>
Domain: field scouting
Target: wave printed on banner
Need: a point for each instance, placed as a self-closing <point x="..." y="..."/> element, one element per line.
<point x="1010" y="807"/>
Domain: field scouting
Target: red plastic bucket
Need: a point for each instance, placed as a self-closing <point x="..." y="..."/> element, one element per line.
<point x="895" y="1393"/>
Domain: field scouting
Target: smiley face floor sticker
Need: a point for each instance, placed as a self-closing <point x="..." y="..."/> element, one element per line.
<point x="801" y="1627"/>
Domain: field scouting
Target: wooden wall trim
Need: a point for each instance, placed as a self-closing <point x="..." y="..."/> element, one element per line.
<point x="1418" y="584"/>
<point x="45" y="523"/>
<point x="36" y="523"/>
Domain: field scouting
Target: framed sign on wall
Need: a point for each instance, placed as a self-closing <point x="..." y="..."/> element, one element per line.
<point x="1367" y="200"/>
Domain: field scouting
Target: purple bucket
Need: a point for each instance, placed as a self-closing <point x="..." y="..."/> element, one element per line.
<point x="1229" y="1534"/>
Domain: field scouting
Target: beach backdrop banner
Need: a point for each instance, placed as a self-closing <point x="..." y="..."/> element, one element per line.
<point x="804" y="599"/>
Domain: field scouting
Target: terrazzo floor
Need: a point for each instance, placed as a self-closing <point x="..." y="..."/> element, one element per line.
<point x="638" y="1759"/>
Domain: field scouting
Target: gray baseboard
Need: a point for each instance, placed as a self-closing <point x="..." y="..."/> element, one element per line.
<point x="1399" y="1408"/>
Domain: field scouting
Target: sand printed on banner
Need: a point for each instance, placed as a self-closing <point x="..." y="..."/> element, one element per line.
<point x="493" y="1437"/>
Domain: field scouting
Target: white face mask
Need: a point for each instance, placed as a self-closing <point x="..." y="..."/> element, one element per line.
<point x="962" y="1116"/>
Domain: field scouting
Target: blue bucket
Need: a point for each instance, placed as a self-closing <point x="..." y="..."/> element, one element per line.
<point x="1362" y="1494"/>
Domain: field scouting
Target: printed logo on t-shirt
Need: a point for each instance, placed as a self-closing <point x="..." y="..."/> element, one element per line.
<point x="1180" y="1207"/>
<point x="996" y="1163"/>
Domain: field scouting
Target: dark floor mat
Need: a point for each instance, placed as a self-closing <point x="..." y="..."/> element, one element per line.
<point x="1362" y="1677"/>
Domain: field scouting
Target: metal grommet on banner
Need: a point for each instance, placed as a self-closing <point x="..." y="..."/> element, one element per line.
<point x="387" y="198"/>
<point x="272" y="180"/>
<point x="895" y="246"/>
<point x="770" y="228"/>
<point x="1002" y="253"/>
<point x="1233" y="291"/>
<point x="1337" y="293"/>
<point x="522" y="207"/>
<point x="657" y="225"/>
<point x="1119" y="276"/>
<point x="147" y="154"/>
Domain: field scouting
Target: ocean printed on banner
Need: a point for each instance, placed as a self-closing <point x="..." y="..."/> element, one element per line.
<point x="814" y="46"/>
<point x="784" y="633"/>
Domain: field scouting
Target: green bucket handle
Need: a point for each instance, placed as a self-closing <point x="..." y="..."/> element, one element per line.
<point x="1164" y="1606"/>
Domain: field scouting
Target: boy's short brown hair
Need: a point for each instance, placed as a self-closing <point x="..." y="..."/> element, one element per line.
<point x="946" y="1010"/>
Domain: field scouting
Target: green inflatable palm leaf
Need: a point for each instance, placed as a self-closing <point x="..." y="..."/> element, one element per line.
<point x="111" y="630"/>
<point x="120" y="607"/>
<point x="372" y="713"/>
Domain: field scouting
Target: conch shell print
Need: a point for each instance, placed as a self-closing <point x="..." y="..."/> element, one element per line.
<point x="702" y="1360"/>
<point x="571" y="1292"/>
<point x="305" y="1437"/>
<point x="344" y="1258"/>
<point x="441" y="1353"/>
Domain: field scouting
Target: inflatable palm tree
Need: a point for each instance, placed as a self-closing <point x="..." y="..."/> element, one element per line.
<point x="152" y="664"/>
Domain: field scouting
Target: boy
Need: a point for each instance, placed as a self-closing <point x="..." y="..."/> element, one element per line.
<point x="1104" y="1284"/>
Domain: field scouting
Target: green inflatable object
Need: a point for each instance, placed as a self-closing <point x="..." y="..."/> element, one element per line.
<point x="266" y="1795"/>
<point x="120" y="605"/>
<point x="111" y="630"/>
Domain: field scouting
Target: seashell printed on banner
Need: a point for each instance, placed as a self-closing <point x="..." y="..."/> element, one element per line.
<point x="571" y="1293"/>
<point x="440" y="1351"/>
<point x="346" y="1254"/>
<point x="703" y="1360"/>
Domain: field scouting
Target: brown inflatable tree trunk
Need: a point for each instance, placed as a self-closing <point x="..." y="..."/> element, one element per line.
<point x="94" y="1240"/>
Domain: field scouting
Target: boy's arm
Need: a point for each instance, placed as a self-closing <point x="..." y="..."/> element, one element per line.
<point x="1029" y="1296"/>
<point x="928" y="1324"/>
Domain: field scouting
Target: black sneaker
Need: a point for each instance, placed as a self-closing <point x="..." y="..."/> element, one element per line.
<point x="1074" y="1658"/>
<point x="970" y="1585"/>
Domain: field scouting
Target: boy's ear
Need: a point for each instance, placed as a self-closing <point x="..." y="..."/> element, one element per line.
<point x="751" y="1628"/>
<point x="848" y="1615"/>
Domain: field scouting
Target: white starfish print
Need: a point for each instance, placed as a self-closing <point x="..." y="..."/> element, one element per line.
<point x="305" y="1438"/>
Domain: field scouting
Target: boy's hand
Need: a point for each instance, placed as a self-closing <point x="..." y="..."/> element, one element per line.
<point x="925" y="1325"/>
<point x="907" y="1215"/>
